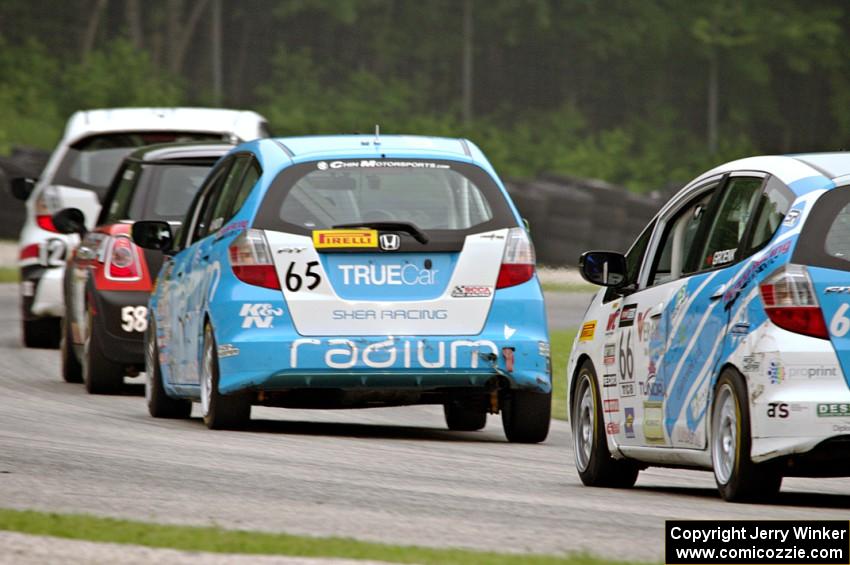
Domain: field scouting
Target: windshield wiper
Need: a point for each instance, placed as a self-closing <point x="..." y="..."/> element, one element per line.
<point x="406" y="227"/>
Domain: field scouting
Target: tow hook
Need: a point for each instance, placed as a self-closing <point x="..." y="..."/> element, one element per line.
<point x="508" y="354"/>
<point x="494" y="401"/>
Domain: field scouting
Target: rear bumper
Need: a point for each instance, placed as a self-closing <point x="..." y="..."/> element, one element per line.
<point x="41" y="292"/>
<point x="121" y="320"/>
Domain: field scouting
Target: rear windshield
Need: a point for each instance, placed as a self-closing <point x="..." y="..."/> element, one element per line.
<point x="92" y="162"/>
<point x="434" y="196"/>
<point x="825" y="239"/>
<point x="162" y="191"/>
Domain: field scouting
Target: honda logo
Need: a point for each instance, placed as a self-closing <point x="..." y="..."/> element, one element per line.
<point x="390" y="241"/>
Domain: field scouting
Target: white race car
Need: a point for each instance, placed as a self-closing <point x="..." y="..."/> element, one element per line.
<point x="722" y="340"/>
<point x="77" y="176"/>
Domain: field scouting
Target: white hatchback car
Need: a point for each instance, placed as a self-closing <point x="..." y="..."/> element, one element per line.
<point x="723" y="339"/>
<point x="77" y="176"/>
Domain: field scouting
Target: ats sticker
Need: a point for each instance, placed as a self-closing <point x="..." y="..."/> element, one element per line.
<point x="587" y="331"/>
<point x="340" y="239"/>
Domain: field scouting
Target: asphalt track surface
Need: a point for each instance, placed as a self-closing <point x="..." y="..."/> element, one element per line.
<point x="389" y="475"/>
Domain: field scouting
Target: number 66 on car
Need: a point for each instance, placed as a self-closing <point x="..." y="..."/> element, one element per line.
<point x="721" y="341"/>
<point x="353" y="272"/>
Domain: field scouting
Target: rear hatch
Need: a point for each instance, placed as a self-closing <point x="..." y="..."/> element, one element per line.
<point x="824" y="247"/>
<point x="388" y="247"/>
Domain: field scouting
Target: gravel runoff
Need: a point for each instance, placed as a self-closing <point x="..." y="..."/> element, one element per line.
<point x="24" y="549"/>
<point x="8" y="253"/>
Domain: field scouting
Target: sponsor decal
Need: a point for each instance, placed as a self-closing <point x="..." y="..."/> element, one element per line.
<point x="833" y="409"/>
<point x="652" y="387"/>
<point x="471" y="291"/>
<point x="644" y="326"/>
<point x="342" y="353"/>
<point x="587" y="331"/>
<point x="721" y="257"/>
<point x="227" y="350"/>
<point x="750" y="364"/>
<point x="378" y="164"/>
<point x="777" y="373"/>
<point x="627" y="315"/>
<point x="260" y="315"/>
<point x="612" y="322"/>
<point x="134" y="318"/>
<point x="740" y="328"/>
<point x="389" y="275"/>
<point x="232" y="227"/>
<point x="653" y="421"/>
<point x="389" y="241"/>
<point x="340" y="239"/>
<point x="609" y="354"/>
<point x="777" y="410"/>
<point x="754" y="269"/>
<point x="690" y="437"/>
<point x="627" y="389"/>
<point x="542" y="348"/>
<point x="291" y="249"/>
<point x="841" y="428"/>
<point x="837" y="290"/>
<point x="791" y="218"/>
<point x="396" y="314"/>
<point x="629" y="422"/>
<point x="611" y="405"/>
<point x="609" y="380"/>
<point x="612" y="428"/>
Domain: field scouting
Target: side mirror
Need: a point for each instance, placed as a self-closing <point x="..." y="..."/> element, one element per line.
<point x="70" y="220"/>
<point x="605" y="268"/>
<point x="22" y="187"/>
<point x="152" y="234"/>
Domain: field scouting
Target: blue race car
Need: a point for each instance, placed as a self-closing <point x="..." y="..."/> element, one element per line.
<point x="347" y="272"/>
<point x="723" y="339"/>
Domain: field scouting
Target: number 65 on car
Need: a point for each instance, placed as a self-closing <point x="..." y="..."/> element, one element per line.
<point x="721" y="341"/>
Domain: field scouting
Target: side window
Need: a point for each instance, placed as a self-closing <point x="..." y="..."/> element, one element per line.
<point x="634" y="259"/>
<point x="730" y="222"/>
<point x="115" y="208"/>
<point x="774" y="203"/>
<point x="252" y="175"/>
<point x="227" y="193"/>
<point x="678" y="240"/>
<point x="208" y="200"/>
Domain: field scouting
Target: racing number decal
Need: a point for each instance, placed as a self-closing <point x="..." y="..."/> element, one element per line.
<point x="134" y="318"/>
<point x="627" y="359"/>
<point x="294" y="280"/>
<point x="51" y="253"/>
<point x="840" y="324"/>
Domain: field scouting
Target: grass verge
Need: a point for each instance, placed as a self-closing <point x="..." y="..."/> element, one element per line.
<point x="217" y="540"/>
<point x="568" y="287"/>
<point x="561" y="344"/>
<point x="8" y="274"/>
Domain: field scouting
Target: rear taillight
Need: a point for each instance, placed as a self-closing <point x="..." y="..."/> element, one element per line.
<point x="518" y="260"/>
<point x="46" y="203"/>
<point x="29" y="252"/>
<point x="790" y="302"/>
<point x="251" y="260"/>
<point x="122" y="260"/>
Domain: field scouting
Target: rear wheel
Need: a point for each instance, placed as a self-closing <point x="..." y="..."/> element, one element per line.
<point x="72" y="371"/>
<point x="43" y="333"/>
<point x="100" y="375"/>
<point x="737" y="477"/>
<point x="221" y="412"/>
<point x="594" y="463"/>
<point x="526" y="416"/>
<point x="160" y="405"/>
<point x="464" y="417"/>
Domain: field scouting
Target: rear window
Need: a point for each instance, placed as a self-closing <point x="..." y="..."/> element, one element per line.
<point x="92" y="162"/>
<point x="435" y="196"/>
<point x="825" y="238"/>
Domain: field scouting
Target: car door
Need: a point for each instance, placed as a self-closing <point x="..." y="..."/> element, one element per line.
<point x="638" y="331"/>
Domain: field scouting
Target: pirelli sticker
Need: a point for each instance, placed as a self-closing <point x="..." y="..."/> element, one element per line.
<point x="340" y="239"/>
<point x="587" y="331"/>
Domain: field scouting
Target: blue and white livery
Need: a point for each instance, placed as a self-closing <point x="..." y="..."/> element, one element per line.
<point x="722" y="339"/>
<point x="350" y="271"/>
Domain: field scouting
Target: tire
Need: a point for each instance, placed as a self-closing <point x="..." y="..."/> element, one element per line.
<point x="100" y="375"/>
<point x="594" y="463"/>
<point x="464" y="417"/>
<point x="221" y="412"/>
<point x="43" y="333"/>
<point x="160" y="405"/>
<point x="526" y="416"/>
<point x="738" y="478"/>
<point x="72" y="370"/>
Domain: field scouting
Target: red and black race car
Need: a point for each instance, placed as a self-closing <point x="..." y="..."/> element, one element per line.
<point x="107" y="278"/>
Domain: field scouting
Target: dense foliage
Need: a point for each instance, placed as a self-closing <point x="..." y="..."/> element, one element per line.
<point x="637" y="92"/>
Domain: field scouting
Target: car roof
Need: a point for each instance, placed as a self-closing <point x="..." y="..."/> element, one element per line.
<point x="188" y="150"/>
<point x="244" y="124"/>
<point x="307" y="148"/>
